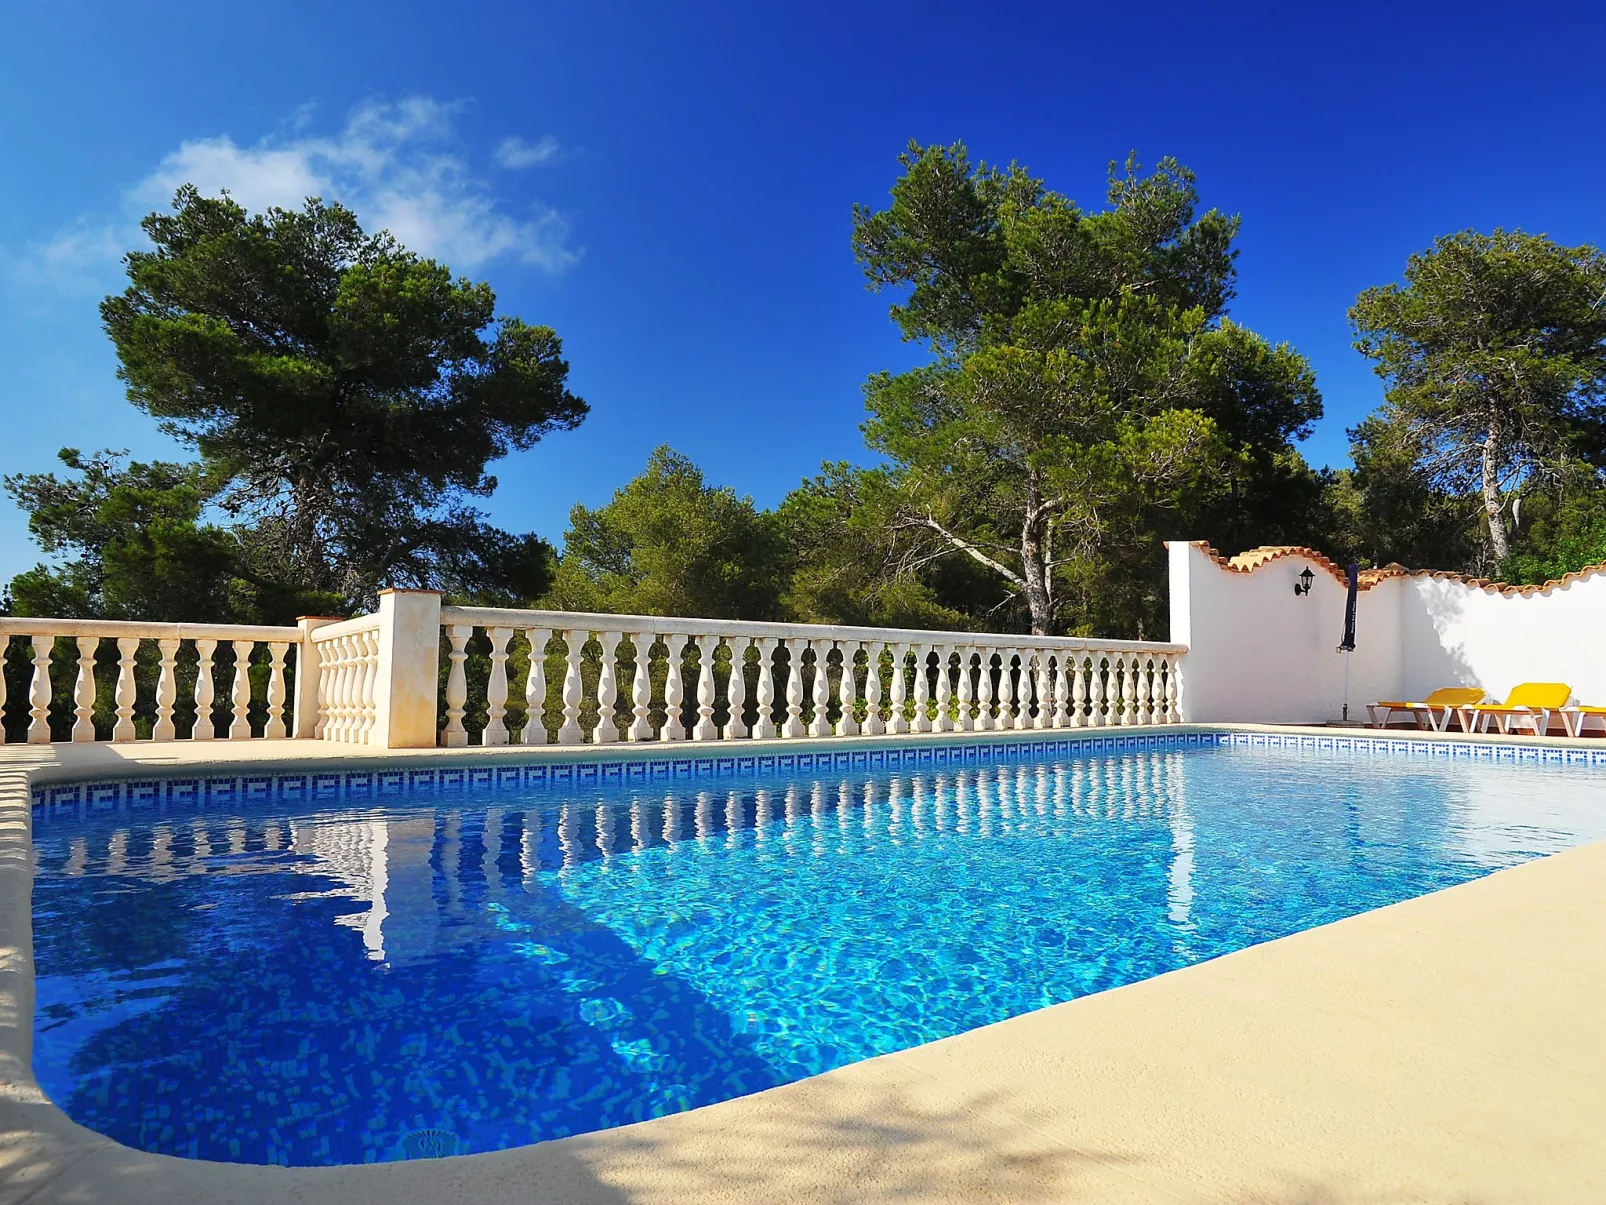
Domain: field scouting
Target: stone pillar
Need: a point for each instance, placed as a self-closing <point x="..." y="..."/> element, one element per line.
<point x="409" y="669"/>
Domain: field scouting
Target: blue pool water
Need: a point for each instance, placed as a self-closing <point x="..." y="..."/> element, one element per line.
<point x="322" y="984"/>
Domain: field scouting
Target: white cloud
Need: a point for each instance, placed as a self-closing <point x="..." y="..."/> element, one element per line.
<point x="516" y="153"/>
<point x="395" y="164"/>
<point x="80" y="261"/>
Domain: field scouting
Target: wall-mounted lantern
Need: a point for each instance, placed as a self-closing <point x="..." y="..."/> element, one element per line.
<point x="1302" y="584"/>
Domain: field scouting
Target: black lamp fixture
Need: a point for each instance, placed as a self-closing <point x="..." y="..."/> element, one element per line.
<point x="1302" y="585"/>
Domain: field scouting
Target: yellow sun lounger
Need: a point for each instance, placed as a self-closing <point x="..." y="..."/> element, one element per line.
<point x="1436" y="709"/>
<point x="1532" y="703"/>
<point x="1573" y="719"/>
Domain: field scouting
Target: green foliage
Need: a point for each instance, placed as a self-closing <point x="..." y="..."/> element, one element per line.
<point x="346" y="395"/>
<point x="670" y="544"/>
<point x="1086" y="393"/>
<point x="1560" y="529"/>
<point x="841" y="565"/>
<point x="132" y="542"/>
<point x="1494" y="352"/>
<point x="1383" y="512"/>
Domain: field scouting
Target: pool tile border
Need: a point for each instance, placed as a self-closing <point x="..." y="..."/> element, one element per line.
<point x="364" y="785"/>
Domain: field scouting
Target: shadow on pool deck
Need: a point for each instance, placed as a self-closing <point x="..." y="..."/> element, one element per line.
<point x="870" y="1136"/>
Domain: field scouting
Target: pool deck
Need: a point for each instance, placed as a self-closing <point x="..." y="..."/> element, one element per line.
<point x="1451" y="1049"/>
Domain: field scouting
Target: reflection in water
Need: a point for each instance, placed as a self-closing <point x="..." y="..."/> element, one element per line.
<point x="310" y="987"/>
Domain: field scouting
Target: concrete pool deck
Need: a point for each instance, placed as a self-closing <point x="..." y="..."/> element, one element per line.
<point x="1450" y="1048"/>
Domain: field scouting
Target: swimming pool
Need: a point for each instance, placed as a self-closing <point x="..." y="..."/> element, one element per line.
<point x="317" y="983"/>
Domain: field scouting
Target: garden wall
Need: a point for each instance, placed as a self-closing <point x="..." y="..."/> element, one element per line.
<point x="1259" y="652"/>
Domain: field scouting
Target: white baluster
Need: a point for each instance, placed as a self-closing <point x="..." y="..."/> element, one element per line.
<point x="674" y="728"/>
<point x="39" y="691"/>
<point x="321" y="654"/>
<point x="873" y="723"/>
<point x="1145" y="689"/>
<point x="821" y="694"/>
<point x="455" y="735"/>
<point x="350" y="693"/>
<point x="1173" y="714"/>
<point x="641" y="687"/>
<point x="944" y="695"/>
<point x="1062" y="690"/>
<point x="340" y="712"/>
<point x="1008" y="692"/>
<point x="370" y="685"/>
<point x="277" y="652"/>
<point x="123" y="727"/>
<point x="736" y="689"/>
<point x="1024" y="691"/>
<point x="897" y="721"/>
<point x="922" y="660"/>
<point x="1112" y="692"/>
<point x="1095" y="691"/>
<point x="496" y="688"/>
<point x="573" y="689"/>
<point x="1079" y="690"/>
<point x="1040" y="681"/>
<point x="339" y="688"/>
<point x="351" y="689"/>
<point x="535" y="689"/>
<point x="205" y="691"/>
<point x="358" y="651"/>
<point x="1129" y="694"/>
<point x="83" y="728"/>
<point x="607" y="730"/>
<point x="765" y="729"/>
<point x="987" y="697"/>
<point x="705" y="729"/>
<point x="240" y="725"/>
<point x="794" y="688"/>
<point x="964" y="694"/>
<point x="847" y="693"/>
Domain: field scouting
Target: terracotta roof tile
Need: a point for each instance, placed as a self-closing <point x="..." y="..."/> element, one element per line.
<point x="1254" y="558"/>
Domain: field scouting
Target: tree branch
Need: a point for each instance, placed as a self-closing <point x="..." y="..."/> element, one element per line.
<point x="965" y="546"/>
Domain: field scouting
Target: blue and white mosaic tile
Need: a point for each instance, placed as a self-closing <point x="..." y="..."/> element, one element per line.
<point x="364" y="785"/>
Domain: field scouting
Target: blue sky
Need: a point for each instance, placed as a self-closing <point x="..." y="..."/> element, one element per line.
<point x="670" y="186"/>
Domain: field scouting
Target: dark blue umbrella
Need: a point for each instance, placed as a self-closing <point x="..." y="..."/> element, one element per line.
<point x="1348" y="645"/>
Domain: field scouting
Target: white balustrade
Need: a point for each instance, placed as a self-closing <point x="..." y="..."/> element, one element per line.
<point x="151" y="675"/>
<point x="801" y="673"/>
<point x="348" y="680"/>
<point x="146" y="681"/>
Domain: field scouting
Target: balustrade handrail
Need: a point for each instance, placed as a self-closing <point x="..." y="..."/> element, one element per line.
<point x="23" y="625"/>
<point x="513" y="617"/>
<point x="345" y="627"/>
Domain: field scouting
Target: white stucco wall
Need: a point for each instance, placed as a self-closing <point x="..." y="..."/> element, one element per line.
<point x="1258" y="652"/>
<point x="1455" y="633"/>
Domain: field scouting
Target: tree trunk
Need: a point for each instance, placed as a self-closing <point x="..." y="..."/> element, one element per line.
<point x="1034" y="565"/>
<point x="1491" y="489"/>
